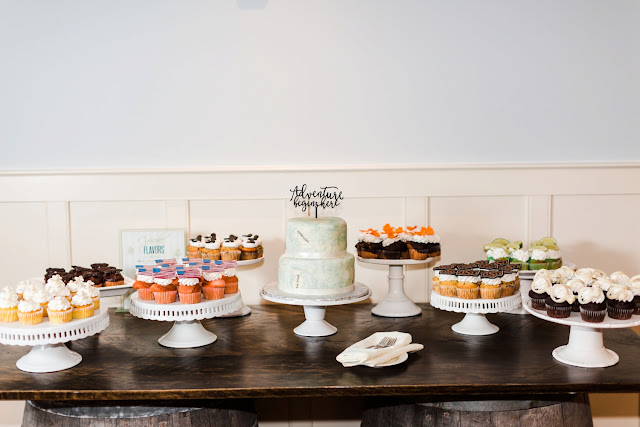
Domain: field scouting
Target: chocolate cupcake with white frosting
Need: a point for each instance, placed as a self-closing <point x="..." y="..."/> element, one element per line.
<point x="635" y="290"/>
<point x="576" y="285"/>
<point x="593" y="306"/>
<point x="559" y="302"/>
<point x="620" y="303"/>
<point x="539" y="292"/>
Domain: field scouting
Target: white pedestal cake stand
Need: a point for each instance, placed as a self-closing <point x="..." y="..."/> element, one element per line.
<point x="585" y="348"/>
<point x="396" y="303"/>
<point x="315" y="308"/>
<point x="244" y="311"/>
<point x="187" y="331"/>
<point x="475" y="322"/>
<point x="49" y="354"/>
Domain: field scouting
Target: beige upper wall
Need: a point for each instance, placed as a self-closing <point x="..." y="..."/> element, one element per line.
<point x="298" y="82"/>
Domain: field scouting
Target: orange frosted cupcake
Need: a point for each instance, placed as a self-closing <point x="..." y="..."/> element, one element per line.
<point x="8" y="307"/>
<point x="190" y="294"/>
<point x="144" y="280"/>
<point x="229" y="277"/>
<point x="468" y="286"/>
<point x="60" y="310"/>
<point x="29" y="312"/>
<point x="213" y="285"/>
<point x="164" y="294"/>
<point x="82" y="305"/>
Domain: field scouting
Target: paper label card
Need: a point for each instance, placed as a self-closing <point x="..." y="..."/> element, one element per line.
<point x="146" y="246"/>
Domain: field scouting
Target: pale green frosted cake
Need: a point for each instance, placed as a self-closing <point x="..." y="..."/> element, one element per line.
<point x="316" y="261"/>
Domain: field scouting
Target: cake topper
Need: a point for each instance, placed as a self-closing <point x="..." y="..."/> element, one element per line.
<point x="325" y="197"/>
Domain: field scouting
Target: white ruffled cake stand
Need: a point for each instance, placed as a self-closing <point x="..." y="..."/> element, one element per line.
<point x="475" y="322"/>
<point x="187" y="331"/>
<point x="585" y="348"/>
<point x="244" y="310"/>
<point x="49" y="354"/>
<point x="396" y="303"/>
<point x="315" y="308"/>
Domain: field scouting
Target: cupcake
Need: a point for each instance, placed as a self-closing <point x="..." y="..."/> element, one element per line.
<point x="539" y="292"/>
<point x="50" y="272"/>
<point x="468" y="284"/>
<point x="189" y="288"/>
<point x="620" y="278"/>
<point x="422" y="243"/>
<point x="31" y="289"/>
<point x="592" y="304"/>
<point x="75" y="285"/>
<point x="559" y="302"/>
<point x="603" y="283"/>
<point x="538" y="258"/>
<point x="553" y="257"/>
<point x="496" y="251"/>
<point x="42" y="297"/>
<point x="521" y="257"/>
<point x="211" y="248"/>
<point x="60" y="310"/>
<point x="8" y="307"/>
<point x="448" y="283"/>
<point x="435" y="282"/>
<point x="194" y="246"/>
<point x="93" y="292"/>
<point x="576" y="285"/>
<point x="491" y="284"/>
<point x="144" y="280"/>
<point x="59" y="291"/>
<point x="248" y="249"/>
<point x="392" y="245"/>
<point x="635" y="289"/>
<point x="620" y="303"/>
<point x="214" y="285"/>
<point x="29" y="312"/>
<point x="113" y="278"/>
<point x="27" y="284"/>
<point x="229" y="277"/>
<point x="230" y="250"/>
<point x="369" y="244"/>
<point x="82" y="305"/>
<point x="164" y="291"/>
<point x="508" y="284"/>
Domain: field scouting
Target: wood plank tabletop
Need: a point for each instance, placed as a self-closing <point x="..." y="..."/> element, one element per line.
<point x="260" y="356"/>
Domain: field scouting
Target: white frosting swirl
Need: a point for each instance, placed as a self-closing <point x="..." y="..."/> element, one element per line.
<point x="620" y="278"/>
<point x="540" y="285"/>
<point x="470" y="279"/>
<point x="41" y="296"/>
<point x="635" y="287"/>
<point x="509" y="277"/>
<point x="212" y="245"/>
<point x="144" y="278"/>
<point x="369" y="238"/>
<point x="90" y="290"/>
<point x="520" y="255"/>
<point x="585" y="271"/>
<point x="8" y="290"/>
<point x="249" y="244"/>
<point x="492" y="281"/>
<point x="76" y="284"/>
<point x="543" y="272"/>
<point x="448" y="277"/>
<point x="538" y="255"/>
<point x="28" y="306"/>
<point x="575" y="285"/>
<point x="55" y="280"/>
<point x="230" y="244"/>
<point x="188" y="281"/>
<point x="197" y="244"/>
<point x="8" y="301"/>
<point x="163" y="282"/>
<point x="620" y="293"/>
<point x="562" y="293"/>
<point x="553" y="254"/>
<point x="604" y="283"/>
<point x="211" y="275"/>
<point x="589" y="295"/>
<point x="427" y="238"/>
<point x="81" y="299"/>
<point x="598" y="274"/>
<point x="565" y="272"/>
<point x="59" y="304"/>
<point x="635" y="279"/>
<point x="497" y="253"/>
<point x="30" y="290"/>
<point x="387" y="241"/>
<point x="229" y="272"/>
<point x="26" y="283"/>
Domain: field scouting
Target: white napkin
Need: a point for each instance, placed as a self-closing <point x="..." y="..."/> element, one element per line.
<point x="359" y="354"/>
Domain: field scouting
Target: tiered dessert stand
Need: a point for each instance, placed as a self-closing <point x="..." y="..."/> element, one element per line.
<point x="244" y="311"/>
<point x="475" y="322"/>
<point x="48" y="352"/>
<point x="315" y="308"/>
<point x="396" y="303"/>
<point x="585" y="348"/>
<point x="187" y="331"/>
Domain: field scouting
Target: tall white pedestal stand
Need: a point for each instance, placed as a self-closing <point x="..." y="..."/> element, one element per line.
<point x="475" y="322"/>
<point x="396" y="303"/>
<point x="585" y="348"/>
<point x="48" y="353"/>
<point x="187" y="331"/>
<point x="245" y="310"/>
<point x="315" y="307"/>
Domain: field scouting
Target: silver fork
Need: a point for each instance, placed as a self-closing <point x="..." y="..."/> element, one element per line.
<point x="384" y="343"/>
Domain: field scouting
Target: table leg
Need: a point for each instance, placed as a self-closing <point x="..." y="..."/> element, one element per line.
<point x="396" y="303"/>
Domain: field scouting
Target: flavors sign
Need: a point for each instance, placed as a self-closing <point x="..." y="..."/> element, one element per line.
<point x="145" y="246"/>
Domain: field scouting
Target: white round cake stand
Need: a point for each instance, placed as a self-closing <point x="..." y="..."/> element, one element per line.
<point x="245" y="310"/>
<point x="315" y="308"/>
<point x="585" y="348"/>
<point x="475" y="322"/>
<point x="49" y="354"/>
<point x="187" y="331"/>
<point x="396" y="303"/>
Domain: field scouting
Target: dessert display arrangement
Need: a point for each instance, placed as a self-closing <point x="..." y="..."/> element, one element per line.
<point x="45" y="316"/>
<point x="247" y="247"/>
<point x="185" y="294"/>
<point x="543" y="253"/>
<point x="589" y="301"/>
<point x="316" y="271"/>
<point x="476" y="289"/>
<point x="396" y="247"/>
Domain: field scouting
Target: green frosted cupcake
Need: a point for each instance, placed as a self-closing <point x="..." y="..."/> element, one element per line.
<point x="538" y="258"/>
<point x="521" y="257"/>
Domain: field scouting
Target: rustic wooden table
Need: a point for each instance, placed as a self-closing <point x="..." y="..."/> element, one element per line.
<point x="260" y="356"/>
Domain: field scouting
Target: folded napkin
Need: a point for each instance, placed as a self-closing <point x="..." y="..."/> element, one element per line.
<point x="359" y="354"/>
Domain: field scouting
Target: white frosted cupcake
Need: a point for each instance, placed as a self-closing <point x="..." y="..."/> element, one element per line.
<point x="8" y="307"/>
<point x="82" y="305"/>
<point x="29" y="312"/>
<point x="620" y="303"/>
<point x="94" y="293"/>
<point x="42" y="297"/>
<point x="60" y="310"/>
<point x="560" y="301"/>
<point x="593" y="307"/>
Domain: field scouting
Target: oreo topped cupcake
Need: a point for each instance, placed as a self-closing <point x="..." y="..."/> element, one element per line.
<point x="559" y="302"/>
<point x="592" y="304"/>
<point x="620" y="303"/>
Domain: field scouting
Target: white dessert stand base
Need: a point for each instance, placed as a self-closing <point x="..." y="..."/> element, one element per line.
<point x="49" y="354"/>
<point x="315" y="308"/>
<point x="396" y="303"/>
<point x="475" y="322"/>
<point x="187" y="331"/>
<point x="586" y="347"/>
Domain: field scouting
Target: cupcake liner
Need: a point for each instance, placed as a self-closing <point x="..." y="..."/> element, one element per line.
<point x="468" y="293"/>
<point x="9" y="315"/>
<point x="61" y="316"/>
<point x="448" y="289"/>
<point x="367" y="255"/>
<point x="246" y="255"/>
<point x="508" y="289"/>
<point x="592" y="316"/>
<point x="558" y="312"/>
<point x="230" y="255"/>
<point x="575" y="307"/>
<point x="191" y="298"/>
<point x="211" y="292"/>
<point x="145" y="294"/>
<point x="96" y="302"/>
<point x="31" y="318"/>
<point x="83" y="312"/>
<point x="165" y="297"/>
<point x="194" y="254"/>
<point x="491" y="293"/>
<point x="538" y="303"/>
<point x="44" y="308"/>
<point x="620" y="313"/>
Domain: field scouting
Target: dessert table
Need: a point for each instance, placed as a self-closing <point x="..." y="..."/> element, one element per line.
<point x="258" y="357"/>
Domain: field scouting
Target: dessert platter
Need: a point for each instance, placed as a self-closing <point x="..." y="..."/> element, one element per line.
<point x="315" y="272"/>
<point x="396" y="247"/>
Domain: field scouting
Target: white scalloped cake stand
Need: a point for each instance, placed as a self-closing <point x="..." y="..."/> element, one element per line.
<point x="187" y="331"/>
<point x="315" y="308"/>
<point x="244" y="311"/>
<point x="475" y="322"/>
<point x="585" y="348"/>
<point x="49" y="354"/>
<point x="396" y="303"/>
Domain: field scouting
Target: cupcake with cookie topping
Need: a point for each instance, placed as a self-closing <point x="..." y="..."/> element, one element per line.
<point x="211" y="248"/>
<point x="593" y="306"/>
<point x="230" y="250"/>
<point x="468" y="285"/>
<point x="194" y="247"/>
<point x="491" y="284"/>
<point x="248" y="249"/>
<point x="620" y="303"/>
<point x="559" y="302"/>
